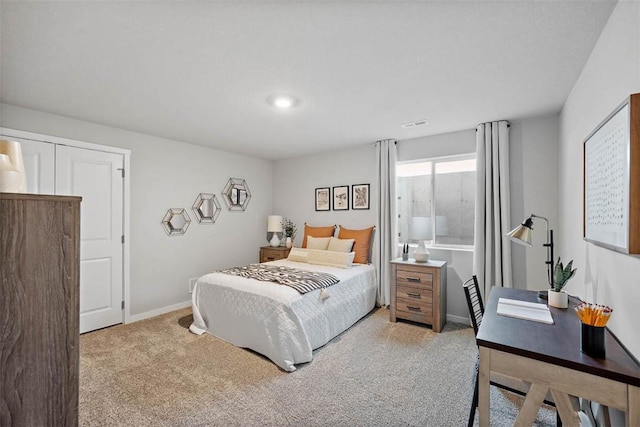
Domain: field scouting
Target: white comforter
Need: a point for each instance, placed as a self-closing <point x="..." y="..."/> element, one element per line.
<point x="276" y="320"/>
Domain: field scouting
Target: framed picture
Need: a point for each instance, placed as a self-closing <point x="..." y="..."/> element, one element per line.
<point x="341" y="198"/>
<point x="611" y="183"/>
<point x="322" y="199"/>
<point x="360" y="196"/>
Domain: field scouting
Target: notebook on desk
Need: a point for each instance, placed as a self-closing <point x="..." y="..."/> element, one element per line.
<point x="524" y="310"/>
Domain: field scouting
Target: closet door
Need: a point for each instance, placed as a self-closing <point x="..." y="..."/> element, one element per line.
<point x="97" y="177"/>
<point x="39" y="165"/>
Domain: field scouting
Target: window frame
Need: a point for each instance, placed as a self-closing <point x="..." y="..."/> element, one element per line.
<point x="434" y="161"/>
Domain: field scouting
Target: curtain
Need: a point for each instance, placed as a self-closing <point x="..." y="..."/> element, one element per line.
<point x="492" y="253"/>
<point x="386" y="228"/>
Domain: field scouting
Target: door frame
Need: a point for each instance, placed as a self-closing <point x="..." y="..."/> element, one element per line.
<point x="126" y="194"/>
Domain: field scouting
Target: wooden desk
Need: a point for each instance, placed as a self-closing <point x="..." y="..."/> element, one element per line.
<point x="549" y="357"/>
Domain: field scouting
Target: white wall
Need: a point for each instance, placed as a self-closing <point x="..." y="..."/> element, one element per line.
<point x="448" y="144"/>
<point x="295" y="181"/>
<point x="610" y="75"/>
<point x="533" y="173"/>
<point x="170" y="174"/>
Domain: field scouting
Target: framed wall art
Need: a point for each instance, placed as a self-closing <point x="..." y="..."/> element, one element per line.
<point x="360" y="196"/>
<point x="323" y="199"/>
<point x="612" y="180"/>
<point x="341" y="198"/>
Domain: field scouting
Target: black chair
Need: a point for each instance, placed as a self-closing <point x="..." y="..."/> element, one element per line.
<point x="476" y="311"/>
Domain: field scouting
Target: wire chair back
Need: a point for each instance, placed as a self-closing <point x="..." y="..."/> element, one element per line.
<point x="474" y="302"/>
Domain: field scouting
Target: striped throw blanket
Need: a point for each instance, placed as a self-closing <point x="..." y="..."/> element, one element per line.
<point x="302" y="281"/>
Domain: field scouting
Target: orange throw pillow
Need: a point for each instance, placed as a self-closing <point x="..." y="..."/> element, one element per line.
<point x="362" y="243"/>
<point x="327" y="231"/>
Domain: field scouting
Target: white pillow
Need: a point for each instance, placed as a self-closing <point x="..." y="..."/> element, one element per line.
<point x="298" y="254"/>
<point x="340" y="245"/>
<point x="330" y="258"/>
<point x="318" y="242"/>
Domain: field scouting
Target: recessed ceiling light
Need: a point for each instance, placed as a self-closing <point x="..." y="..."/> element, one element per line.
<point x="282" y="101"/>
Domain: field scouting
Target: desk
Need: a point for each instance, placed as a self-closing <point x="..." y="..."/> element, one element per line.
<point x="549" y="357"/>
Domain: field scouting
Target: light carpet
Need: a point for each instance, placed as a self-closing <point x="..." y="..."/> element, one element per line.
<point x="377" y="373"/>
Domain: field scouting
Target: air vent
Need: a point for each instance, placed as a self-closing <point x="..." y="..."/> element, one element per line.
<point x="414" y="124"/>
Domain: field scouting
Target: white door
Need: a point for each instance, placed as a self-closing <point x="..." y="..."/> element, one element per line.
<point x="39" y="165"/>
<point x="97" y="177"/>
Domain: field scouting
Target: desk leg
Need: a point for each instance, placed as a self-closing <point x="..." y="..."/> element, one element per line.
<point x="484" y="374"/>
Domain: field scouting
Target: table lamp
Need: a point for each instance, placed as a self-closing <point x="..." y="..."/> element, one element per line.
<point x="274" y="225"/>
<point x="522" y="235"/>
<point x="421" y="230"/>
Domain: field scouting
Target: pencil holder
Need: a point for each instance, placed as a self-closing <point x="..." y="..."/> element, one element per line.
<point x="405" y="257"/>
<point x="592" y="340"/>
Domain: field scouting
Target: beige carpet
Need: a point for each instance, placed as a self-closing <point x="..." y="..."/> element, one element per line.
<point x="156" y="373"/>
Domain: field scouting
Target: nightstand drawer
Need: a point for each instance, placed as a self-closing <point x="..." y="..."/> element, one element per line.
<point x="419" y="311"/>
<point x="414" y="278"/>
<point x="268" y="253"/>
<point x="412" y="293"/>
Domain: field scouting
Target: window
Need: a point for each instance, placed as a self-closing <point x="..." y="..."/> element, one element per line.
<point x="442" y="188"/>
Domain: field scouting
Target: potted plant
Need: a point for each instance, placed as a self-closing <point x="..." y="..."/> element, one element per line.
<point x="289" y="231"/>
<point x="561" y="275"/>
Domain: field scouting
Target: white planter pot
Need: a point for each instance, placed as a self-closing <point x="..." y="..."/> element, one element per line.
<point x="558" y="299"/>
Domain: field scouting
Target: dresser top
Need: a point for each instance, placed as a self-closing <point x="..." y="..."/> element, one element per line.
<point x="410" y="261"/>
<point x="41" y="197"/>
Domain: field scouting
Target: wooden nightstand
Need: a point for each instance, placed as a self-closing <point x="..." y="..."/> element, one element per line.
<point x="270" y="253"/>
<point x="419" y="292"/>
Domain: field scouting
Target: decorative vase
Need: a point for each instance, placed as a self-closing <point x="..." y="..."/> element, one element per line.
<point x="558" y="299"/>
<point x="288" y="243"/>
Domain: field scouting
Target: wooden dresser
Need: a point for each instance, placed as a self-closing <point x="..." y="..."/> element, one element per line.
<point x="270" y="253"/>
<point x="39" y="309"/>
<point x="419" y="292"/>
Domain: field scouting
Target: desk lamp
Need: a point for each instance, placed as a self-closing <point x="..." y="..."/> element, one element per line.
<point x="522" y="235"/>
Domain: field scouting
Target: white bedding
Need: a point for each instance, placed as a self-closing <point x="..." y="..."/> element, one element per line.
<point x="277" y="321"/>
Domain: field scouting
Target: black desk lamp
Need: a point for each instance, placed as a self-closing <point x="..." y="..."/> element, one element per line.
<point x="522" y="234"/>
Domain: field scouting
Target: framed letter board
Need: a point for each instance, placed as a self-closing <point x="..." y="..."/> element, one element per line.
<point x="612" y="180"/>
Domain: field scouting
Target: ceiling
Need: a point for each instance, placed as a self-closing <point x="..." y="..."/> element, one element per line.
<point x="200" y="72"/>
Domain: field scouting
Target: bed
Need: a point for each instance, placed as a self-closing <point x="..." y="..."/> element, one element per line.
<point x="277" y="321"/>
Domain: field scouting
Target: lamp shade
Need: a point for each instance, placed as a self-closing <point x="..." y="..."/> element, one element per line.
<point x="522" y="233"/>
<point x="420" y="228"/>
<point x="274" y="224"/>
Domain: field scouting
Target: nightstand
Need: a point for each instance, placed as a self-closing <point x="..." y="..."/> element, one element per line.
<point x="271" y="253"/>
<point x="419" y="292"/>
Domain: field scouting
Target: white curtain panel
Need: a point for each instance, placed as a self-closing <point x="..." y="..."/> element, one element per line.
<point x="492" y="253"/>
<point x="386" y="247"/>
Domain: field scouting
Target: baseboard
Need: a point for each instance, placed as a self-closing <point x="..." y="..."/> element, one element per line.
<point x="158" y="311"/>
<point x="458" y="319"/>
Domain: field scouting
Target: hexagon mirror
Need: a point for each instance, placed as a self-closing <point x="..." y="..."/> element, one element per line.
<point x="206" y="208"/>
<point x="176" y="221"/>
<point x="236" y="194"/>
